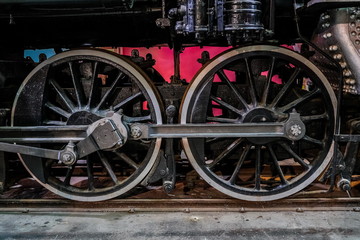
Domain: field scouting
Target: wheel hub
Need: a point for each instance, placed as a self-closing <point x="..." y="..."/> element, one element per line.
<point x="82" y="118"/>
<point x="112" y="137"/>
<point x="260" y="115"/>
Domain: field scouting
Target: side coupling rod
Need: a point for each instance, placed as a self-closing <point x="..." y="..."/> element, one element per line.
<point x="111" y="133"/>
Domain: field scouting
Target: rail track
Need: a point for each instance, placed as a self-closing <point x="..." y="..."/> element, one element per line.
<point x="182" y="205"/>
<point x="26" y="195"/>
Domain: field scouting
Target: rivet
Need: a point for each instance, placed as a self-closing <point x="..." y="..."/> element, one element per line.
<point x="328" y="35"/>
<point x="337" y="56"/>
<point x="346" y="73"/>
<point x="352" y="16"/>
<point x="357" y="42"/>
<point x="343" y="64"/>
<point x="358" y="29"/>
<point x="353" y="33"/>
<point x="333" y="48"/>
<point x="352" y="81"/>
<point x="299" y="210"/>
<point x="352" y="24"/>
<point x="325" y="25"/>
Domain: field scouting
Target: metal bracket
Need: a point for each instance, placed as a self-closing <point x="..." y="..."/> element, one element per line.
<point x="170" y="179"/>
<point x="346" y="169"/>
<point x="161" y="170"/>
<point x="166" y="168"/>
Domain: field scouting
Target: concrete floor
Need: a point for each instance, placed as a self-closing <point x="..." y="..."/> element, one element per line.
<point x="197" y="225"/>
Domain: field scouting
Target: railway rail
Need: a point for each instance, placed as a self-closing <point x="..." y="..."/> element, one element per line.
<point x="181" y="205"/>
<point x="29" y="197"/>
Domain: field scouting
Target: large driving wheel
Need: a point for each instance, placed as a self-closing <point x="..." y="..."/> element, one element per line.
<point x="252" y="85"/>
<point x="80" y="87"/>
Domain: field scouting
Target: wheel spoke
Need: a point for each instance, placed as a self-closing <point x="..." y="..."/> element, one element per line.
<point x="229" y="149"/>
<point x="296" y="157"/>
<point x="127" y="159"/>
<point x="277" y="166"/>
<point x="221" y="120"/>
<point x="63" y="96"/>
<point x="92" y="87"/>
<point x="225" y="79"/>
<point x="226" y="105"/>
<point x="109" y="91"/>
<point x="58" y="110"/>
<point x="239" y="164"/>
<point x="314" y="117"/>
<point x="312" y="140"/>
<point x="90" y="167"/>
<point x="57" y="123"/>
<point x="299" y="100"/>
<point x="127" y="100"/>
<point x="258" y="168"/>
<point x="108" y="168"/>
<point x="268" y="82"/>
<point x="285" y="88"/>
<point x="251" y="82"/>
<point x="137" y="119"/>
<point x="79" y="91"/>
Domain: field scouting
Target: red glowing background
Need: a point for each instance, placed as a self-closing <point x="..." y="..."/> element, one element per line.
<point x="165" y="63"/>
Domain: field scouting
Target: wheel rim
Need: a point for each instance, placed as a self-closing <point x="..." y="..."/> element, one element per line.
<point x="77" y="88"/>
<point x="254" y="85"/>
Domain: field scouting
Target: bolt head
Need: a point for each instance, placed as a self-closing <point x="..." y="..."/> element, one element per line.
<point x="136" y="132"/>
<point x="295" y="130"/>
<point x="67" y="158"/>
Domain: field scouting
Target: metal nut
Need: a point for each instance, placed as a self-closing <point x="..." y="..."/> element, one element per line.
<point x="67" y="158"/>
<point x="136" y="132"/>
<point x="295" y="130"/>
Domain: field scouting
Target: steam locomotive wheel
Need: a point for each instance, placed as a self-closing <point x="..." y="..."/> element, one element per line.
<point x="80" y="87"/>
<point x="260" y="84"/>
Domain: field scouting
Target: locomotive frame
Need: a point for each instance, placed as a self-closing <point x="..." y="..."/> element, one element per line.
<point x="258" y="122"/>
